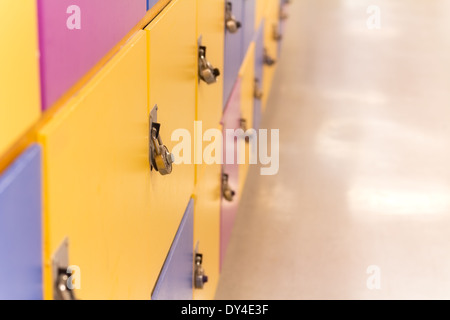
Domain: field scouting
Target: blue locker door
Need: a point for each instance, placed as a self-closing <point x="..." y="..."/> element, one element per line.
<point x="175" y="281"/>
<point x="233" y="51"/>
<point x="151" y="3"/>
<point x="20" y="228"/>
<point x="248" y="25"/>
<point x="259" y="64"/>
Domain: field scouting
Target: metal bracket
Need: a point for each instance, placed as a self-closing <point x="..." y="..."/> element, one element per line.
<point x="277" y="36"/>
<point x="257" y="92"/>
<point x="227" y="192"/>
<point x="199" y="273"/>
<point x="231" y="23"/>
<point x="160" y="158"/>
<point x="268" y="60"/>
<point x="60" y="264"/>
<point x="206" y="71"/>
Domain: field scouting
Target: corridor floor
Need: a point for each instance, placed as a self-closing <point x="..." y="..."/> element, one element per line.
<point x="360" y="207"/>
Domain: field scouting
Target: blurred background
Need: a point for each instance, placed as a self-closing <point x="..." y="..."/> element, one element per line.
<point x="360" y="208"/>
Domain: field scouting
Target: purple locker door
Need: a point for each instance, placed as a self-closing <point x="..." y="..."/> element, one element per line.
<point x="20" y="228"/>
<point x="248" y="25"/>
<point x="230" y="120"/>
<point x="175" y="281"/>
<point x="151" y="3"/>
<point x="75" y="34"/>
<point x="259" y="64"/>
<point x="233" y="50"/>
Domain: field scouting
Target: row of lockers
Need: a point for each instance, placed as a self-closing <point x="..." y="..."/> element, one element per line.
<point x="86" y="192"/>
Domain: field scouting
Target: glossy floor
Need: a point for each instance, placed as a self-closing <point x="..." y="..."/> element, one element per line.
<point x="364" y="179"/>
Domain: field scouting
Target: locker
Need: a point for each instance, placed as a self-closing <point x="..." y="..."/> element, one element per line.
<point x="248" y="24"/>
<point x="20" y="228"/>
<point x="247" y="76"/>
<point x="230" y="171"/>
<point x="175" y="281"/>
<point x="259" y="80"/>
<point x="209" y="111"/>
<point x="76" y="34"/>
<point x="271" y="26"/>
<point x="98" y="186"/>
<point x="172" y="59"/>
<point x="233" y="46"/>
<point x="207" y="225"/>
<point x="210" y="32"/>
<point x="19" y="70"/>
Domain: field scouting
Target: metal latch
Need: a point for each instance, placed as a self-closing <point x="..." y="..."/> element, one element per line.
<point x="60" y="264"/>
<point x="268" y="60"/>
<point x="160" y="157"/>
<point x="206" y="71"/>
<point x="257" y="91"/>
<point x="277" y="36"/>
<point x="227" y="192"/>
<point x="231" y="23"/>
<point x="199" y="273"/>
<point x="243" y="124"/>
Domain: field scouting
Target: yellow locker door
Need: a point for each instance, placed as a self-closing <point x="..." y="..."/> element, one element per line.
<point x="211" y="31"/>
<point x="270" y="45"/>
<point x="207" y="227"/>
<point x="247" y="74"/>
<point x="260" y="9"/>
<point x="172" y="59"/>
<point x="210" y="24"/>
<point x="98" y="185"/>
<point x="19" y="70"/>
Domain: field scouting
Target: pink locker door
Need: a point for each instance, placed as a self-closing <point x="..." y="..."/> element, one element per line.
<point x="230" y="120"/>
<point x="75" y="34"/>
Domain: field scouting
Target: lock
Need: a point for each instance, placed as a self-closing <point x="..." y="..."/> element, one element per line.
<point x="257" y="92"/>
<point x="277" y="36"/>
<point x="60" y="276"/>
<point x="160" y="157"/>
<point x="199" y="273"/>
<point x="206" y="71"/>
<point x="227" y="192"/>
<point x="243" y="124"/>
<point x="231" y="23"/>
<point x="267" y="59"/>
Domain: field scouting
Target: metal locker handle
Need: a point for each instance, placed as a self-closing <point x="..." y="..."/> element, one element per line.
<point x="160" y="157"/>
<point x="231" y="23"/>
<point x="227" y="192"/>
<point x="267" y="59"/>
<point x="207" y="72"/>
<point x="200" y="278"/>
<point x="257" y="93"/>
<point x="277" y="36"/>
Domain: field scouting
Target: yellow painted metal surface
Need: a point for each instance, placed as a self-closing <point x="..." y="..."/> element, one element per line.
<point x="207" y="226"/>
<point x="260" y="9"/>
<point x="271" y="45"/>
<point x="172" y="60"/>
<point x="210" y="27"/>
<point x="99" y="191"/>
<point x="19" y="70"/>
<point x="211" y="17"/>
<point x="247" y="74"/>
